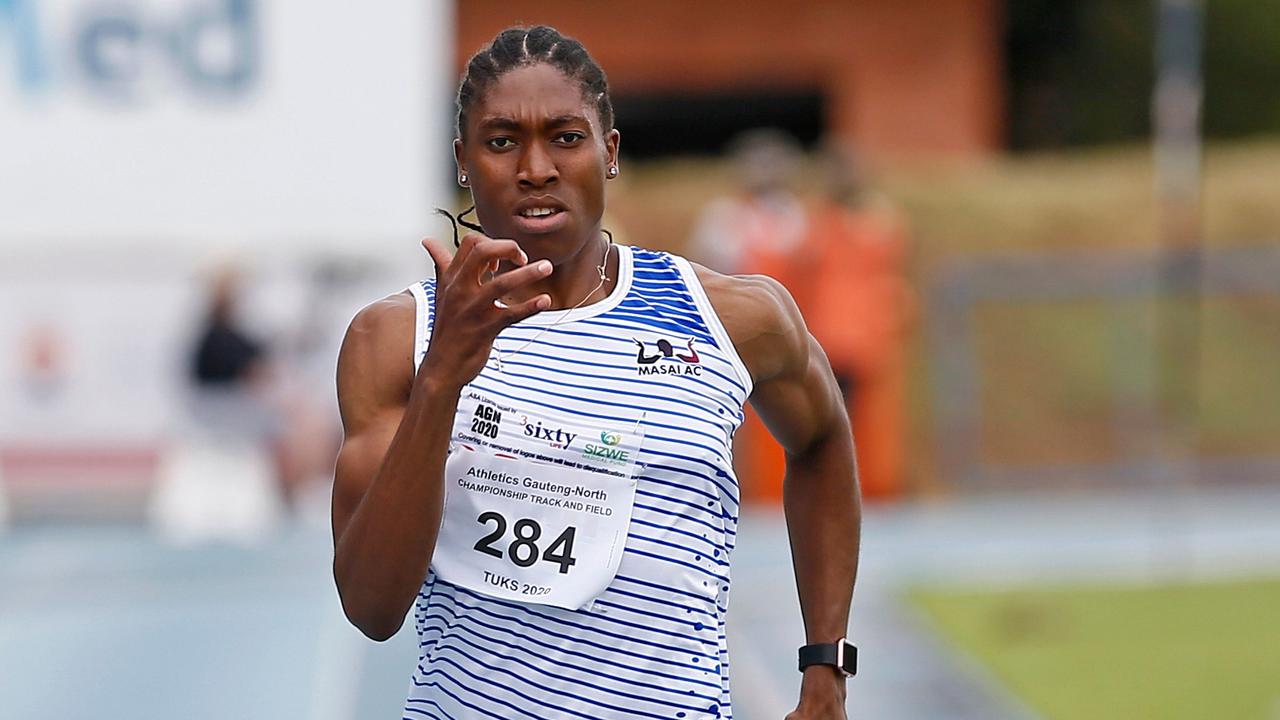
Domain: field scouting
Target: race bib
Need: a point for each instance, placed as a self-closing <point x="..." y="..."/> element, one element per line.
<point x="536" y="510"/>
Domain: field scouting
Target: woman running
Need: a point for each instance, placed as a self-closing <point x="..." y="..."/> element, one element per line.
<point x="557" y="506"/>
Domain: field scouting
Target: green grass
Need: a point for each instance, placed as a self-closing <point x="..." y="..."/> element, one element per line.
<point x="1166" y="652"/>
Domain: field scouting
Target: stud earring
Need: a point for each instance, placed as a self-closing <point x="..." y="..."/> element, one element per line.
<point x="462" y="179"/>
<point x="612" y="172"/>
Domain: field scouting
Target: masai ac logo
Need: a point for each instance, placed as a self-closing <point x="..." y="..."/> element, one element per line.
<point x="668" y="360"/>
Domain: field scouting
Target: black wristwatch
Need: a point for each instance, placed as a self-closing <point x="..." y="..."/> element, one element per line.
<point x="841" y="654"/>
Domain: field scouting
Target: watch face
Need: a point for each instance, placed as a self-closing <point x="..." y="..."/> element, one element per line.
<point x="848" y="658"/>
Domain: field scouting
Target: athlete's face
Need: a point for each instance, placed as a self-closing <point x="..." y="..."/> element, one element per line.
<point x="537" y="158"/>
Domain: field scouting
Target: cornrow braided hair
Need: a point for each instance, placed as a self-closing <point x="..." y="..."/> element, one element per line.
<point x="518" y="47"/>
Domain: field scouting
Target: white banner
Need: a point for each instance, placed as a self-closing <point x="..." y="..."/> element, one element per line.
<point x="222" y="121"/>
<point x="142" y="142"/>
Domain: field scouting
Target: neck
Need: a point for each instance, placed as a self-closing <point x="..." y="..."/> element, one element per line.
<point x="576" y="279"/>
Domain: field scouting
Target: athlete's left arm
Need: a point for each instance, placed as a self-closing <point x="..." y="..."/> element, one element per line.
<point x="801" y="404"/>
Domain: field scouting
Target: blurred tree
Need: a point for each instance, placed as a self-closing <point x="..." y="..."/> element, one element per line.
<point x="1242" y="67"/>
<point x="1081" y="73"/>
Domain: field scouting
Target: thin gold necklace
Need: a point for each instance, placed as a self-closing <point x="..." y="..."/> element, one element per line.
<point x="498" y="355"/>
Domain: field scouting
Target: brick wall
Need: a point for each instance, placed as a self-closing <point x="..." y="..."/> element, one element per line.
<point x="902" y="78"/>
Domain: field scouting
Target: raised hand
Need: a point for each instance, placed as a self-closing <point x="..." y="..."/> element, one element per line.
<point x="467" y="314"/>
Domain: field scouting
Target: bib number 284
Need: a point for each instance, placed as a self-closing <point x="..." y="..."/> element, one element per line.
<point x="523" y="550"/>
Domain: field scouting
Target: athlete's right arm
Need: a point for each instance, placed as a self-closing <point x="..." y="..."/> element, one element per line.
<point x="388" y="483"/>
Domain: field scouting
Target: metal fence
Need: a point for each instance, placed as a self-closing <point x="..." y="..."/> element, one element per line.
<point x="1143" y="445"/>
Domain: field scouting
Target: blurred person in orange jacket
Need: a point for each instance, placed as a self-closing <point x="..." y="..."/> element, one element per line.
<point x="757" y="231"/>
<point x="857" y="302"/>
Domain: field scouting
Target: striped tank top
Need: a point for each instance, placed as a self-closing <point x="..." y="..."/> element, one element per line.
<point x="653" y="644"/>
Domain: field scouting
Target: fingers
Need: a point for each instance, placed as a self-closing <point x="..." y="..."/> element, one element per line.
<point x="464" y="248"/>
<point x="515" y="313"/>
<point x="484" y="253"/>
<point x="439" y="256"/>
<point x="512" y="279"/>
<point x="476" y="254"/>
<point x="468" y="243"/>
<point x="475" y="242"/>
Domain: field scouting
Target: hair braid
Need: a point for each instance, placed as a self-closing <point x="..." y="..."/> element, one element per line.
<point x="519" y="47"/>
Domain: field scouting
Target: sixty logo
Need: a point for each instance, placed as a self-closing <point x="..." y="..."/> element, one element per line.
<point x="606" y="451"/>
<point x="668" y="360"/>
<point x="556" y="437"/>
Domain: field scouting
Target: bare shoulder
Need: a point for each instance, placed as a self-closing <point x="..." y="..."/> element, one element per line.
<point x="375" y="365"/>
<point x="761" y="318"/>
<point x="391" y="316"/>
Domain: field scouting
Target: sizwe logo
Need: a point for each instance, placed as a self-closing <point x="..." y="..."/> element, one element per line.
<point x="667" y="361"/>
<point x="609" y="452"/>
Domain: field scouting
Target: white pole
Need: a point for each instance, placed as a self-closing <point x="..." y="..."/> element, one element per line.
<point x="1176" y="112"/>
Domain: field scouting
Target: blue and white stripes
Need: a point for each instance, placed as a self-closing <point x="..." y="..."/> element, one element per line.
<point x="653" y="644"/>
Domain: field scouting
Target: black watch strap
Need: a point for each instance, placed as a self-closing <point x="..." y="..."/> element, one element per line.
<point x="840" y="654"/>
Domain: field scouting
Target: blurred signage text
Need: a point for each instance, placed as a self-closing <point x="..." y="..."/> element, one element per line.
<point x="128" y="52"/>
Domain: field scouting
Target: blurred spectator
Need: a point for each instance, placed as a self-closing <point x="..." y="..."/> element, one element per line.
<point x="226" y="356"/>
<point x="856" y="302"/>
<point x="844" y="263"/>
<point x="219" y="478"/>
<point x="756" y="229"/>
<point x="43" y="364"/>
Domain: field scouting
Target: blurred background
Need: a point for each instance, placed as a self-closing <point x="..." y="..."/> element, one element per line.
<point x="1040" y="242"/>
